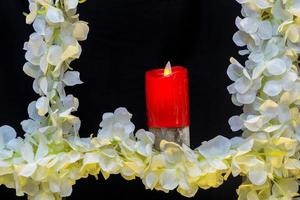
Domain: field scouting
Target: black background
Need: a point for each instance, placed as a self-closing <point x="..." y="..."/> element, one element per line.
<point x="128" y="37"/>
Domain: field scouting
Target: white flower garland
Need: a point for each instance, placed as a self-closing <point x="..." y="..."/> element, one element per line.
<point x="51" y="157"/>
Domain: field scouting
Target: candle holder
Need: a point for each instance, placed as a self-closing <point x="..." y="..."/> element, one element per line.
<point x="177" y="135"/>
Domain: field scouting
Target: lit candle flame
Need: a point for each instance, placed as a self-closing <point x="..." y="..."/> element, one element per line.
<point x="168" y="69"/>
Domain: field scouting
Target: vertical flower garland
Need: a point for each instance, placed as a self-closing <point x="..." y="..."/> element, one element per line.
<point x="268" y="88"/>
<point x="50" y="50"/>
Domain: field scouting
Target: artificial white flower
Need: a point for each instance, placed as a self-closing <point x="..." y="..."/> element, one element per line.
<point x="116" y="125"/>
<point x="32" y="158"/>
<point x="145" y="142"/>
<point x="35" y="47"/>
<point x="215" y="151"/>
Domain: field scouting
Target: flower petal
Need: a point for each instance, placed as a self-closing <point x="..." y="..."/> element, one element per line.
<point x="7" y="134"/>
<point x="31" y="70"/>
<point x="27" y="153"/>
<point x="44" y="85"/>
<point x="28" y="170"/>
<point x="242" y="85"/>
<point x="293" y="33"/>
<point x="54" y="15"/>
<point x="42" y="105"/>
<point x="273" y="88"/>
<point x="246" y="98"/>
<point x="240" y="38"/>
<point x="72" y="78"/>
<point x="265" y="30"/>
<point x="70" y="4"/>
<point x="54" y="55"/>
<point x="257" y="176"/>
<point x="276" y="66"/>
<point x="168" y="179"/>
<point x="72" y="51"/>
<point x="81" y="30"/>
<point x="262" y="4"/>
<point x="151" y="180"/>
<point x="269" y="108"/>
<point x="253" y="122"/>
<point x="218" y="146"/>
<point x="249" y="25"/>
<point x="39" y="25"/>
<point x="236" y="123"/>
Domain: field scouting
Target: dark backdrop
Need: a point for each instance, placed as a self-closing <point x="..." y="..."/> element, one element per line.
<point x="128" y="37"/>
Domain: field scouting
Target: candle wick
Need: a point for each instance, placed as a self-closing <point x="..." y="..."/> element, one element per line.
<point x="168" y="69"/>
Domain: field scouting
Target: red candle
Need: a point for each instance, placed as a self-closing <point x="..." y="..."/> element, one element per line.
<point x="167" y="97"/>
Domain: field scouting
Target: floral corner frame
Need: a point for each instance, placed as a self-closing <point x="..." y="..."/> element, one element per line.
<point x="46" y="163"/>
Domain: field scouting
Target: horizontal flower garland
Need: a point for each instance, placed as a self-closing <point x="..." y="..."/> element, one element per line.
<point x="52" y="156"/>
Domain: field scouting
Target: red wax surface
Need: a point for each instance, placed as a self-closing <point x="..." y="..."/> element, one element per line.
<point x="167" y="98"/>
